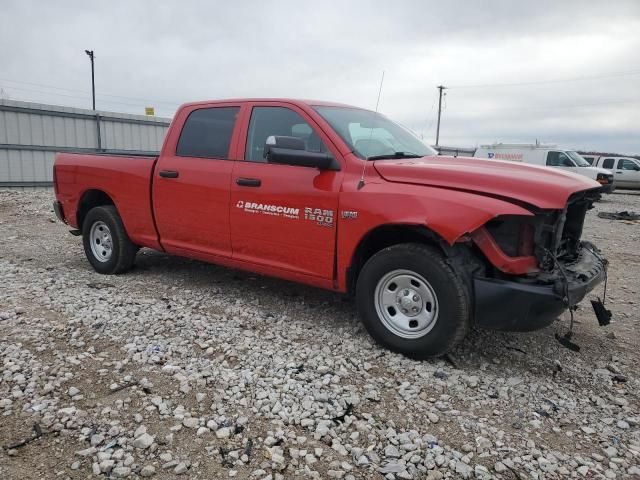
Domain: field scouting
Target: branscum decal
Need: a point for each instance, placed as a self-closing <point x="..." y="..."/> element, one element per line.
<point x="269" y="209"/>
<point x="324" y="218"/>
<point x="506" y="156"/>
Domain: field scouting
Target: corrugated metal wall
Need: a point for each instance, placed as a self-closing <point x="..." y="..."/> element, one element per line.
<point x="32" y="133"/>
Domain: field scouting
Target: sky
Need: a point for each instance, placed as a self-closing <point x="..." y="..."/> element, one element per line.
<point x="565" y="72"/>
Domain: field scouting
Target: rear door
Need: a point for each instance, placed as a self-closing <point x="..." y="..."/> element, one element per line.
<point x="627" y="173"/>
<point x="610" y="164"/>
<point x="192" y="178"/>
<point x="284" y="216"/>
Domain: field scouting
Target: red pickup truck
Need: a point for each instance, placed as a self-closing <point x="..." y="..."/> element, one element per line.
<point x="343" y="198"/>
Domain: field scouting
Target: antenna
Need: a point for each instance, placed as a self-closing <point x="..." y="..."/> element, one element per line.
<point x="364" y="167"/>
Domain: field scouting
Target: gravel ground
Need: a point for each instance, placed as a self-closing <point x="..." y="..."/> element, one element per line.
<point x="184" y="368"/>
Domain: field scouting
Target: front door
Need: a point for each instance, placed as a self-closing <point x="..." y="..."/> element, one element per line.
<point x="561" y="160"/>
<point x="627" y="173"/>
<point x="191" y="184"/>
<point x="284" y="216"/>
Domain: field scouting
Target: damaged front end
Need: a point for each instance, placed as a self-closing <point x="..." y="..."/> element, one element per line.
<point x="540" y="267"/>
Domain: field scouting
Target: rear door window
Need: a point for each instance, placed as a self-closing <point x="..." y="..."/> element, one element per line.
<point x="207" y="133"/>
<point x="608" y="163"/>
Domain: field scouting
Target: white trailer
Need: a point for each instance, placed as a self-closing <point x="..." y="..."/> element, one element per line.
<point x="547" y="155"/>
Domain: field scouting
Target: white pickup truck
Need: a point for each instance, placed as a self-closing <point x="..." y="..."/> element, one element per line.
<point x="550" y="156"/>
<point x="626" y="170"/>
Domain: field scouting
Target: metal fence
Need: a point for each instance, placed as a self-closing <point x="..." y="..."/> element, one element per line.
<point x="32" y="133"/>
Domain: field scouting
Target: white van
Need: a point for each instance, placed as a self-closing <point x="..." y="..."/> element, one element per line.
<point x="549" y="155"/>
<point x="626" y="170"/>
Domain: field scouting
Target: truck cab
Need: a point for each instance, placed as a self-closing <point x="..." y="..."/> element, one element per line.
<point x="626" y="170"/>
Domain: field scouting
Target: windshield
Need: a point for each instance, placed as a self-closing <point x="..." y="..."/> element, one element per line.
<point x="373" y="136"/>
<point x="578" y="160"/>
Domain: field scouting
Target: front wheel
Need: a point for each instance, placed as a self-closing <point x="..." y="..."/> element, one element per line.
<point x="106" y="243"/>
<point x="412" y="301"/>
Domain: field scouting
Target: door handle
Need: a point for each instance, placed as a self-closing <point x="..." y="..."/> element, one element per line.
<point x="169" y="174"/>
<point x="249" y="182"/>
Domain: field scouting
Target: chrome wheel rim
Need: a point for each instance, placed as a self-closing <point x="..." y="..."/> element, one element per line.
<point x="406" y="304"/>
<point x="101" y="241"/>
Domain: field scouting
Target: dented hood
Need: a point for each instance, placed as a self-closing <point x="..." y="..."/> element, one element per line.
<point x="543" y="187"/>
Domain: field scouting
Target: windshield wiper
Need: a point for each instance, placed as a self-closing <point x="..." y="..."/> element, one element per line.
<point x="395" y="155"/>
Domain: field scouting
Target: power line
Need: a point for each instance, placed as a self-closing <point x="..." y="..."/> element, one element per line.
<point x="75" y="97"/>
<point x="429" y="121"/>
<point x="102" y="94"/>
<point x="550" y="107"/>
<point x="543" y="82"/>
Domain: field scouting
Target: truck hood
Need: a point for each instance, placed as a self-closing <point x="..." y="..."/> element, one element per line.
<point x="542" y="187"/>
<point x="594" y="171"/>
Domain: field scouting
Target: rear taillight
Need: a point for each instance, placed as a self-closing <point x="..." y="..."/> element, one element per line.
<point x="604" y="179"/>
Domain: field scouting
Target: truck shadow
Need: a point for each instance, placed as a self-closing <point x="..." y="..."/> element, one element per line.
<point x="336" y="314"/>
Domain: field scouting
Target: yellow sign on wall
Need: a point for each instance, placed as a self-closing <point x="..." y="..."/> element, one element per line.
<point x="149" y="111"/>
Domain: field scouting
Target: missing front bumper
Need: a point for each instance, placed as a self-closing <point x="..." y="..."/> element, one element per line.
<point x="520" y="307"/>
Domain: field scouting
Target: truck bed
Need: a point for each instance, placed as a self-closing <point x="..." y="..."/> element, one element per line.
<point x="126" y="179"/>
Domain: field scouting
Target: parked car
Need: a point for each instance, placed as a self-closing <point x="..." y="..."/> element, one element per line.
<point x="345" y="199"/>
<point x="549" y="155"/>
<point x="626" y="170"/>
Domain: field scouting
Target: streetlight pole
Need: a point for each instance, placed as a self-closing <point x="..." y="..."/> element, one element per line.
<point x="93" y="82"/>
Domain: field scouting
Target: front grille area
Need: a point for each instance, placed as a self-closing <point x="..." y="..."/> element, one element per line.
<point x="550" y="235"/>
<point x="513" y="233"/>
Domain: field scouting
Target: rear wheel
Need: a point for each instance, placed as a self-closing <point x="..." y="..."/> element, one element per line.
<point x="106" y="243"/>
<point x="412" y="301"/>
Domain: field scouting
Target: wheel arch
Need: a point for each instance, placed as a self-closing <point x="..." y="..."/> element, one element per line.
<point x="386" y="235"/>
<point x="90" y="199"/>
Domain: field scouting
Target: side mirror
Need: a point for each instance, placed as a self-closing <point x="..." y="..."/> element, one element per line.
<point x="291" y="151"/>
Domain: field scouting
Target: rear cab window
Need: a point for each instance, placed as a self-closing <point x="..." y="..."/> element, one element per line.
<point x="207" y="133"/>
<point x="608" y="163"/>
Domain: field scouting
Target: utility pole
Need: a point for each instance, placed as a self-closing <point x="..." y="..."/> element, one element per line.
<point x="93" y="82"/>
<point x="441" y="88"/>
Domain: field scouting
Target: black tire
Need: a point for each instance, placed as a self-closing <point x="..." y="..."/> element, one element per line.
<point x="123" y="251"/>
<point x="451" y="297"/>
